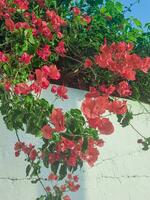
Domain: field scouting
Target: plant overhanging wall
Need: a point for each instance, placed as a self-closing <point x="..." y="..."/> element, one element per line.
<point x="82" y="44"/>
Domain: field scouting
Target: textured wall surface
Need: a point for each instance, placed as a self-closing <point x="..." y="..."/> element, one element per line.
<point x="121" y="173"/>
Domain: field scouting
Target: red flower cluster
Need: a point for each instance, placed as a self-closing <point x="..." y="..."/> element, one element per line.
<point x="10" y="25"/>
<point x="60" y="49"/>
<point x="118" y="107"/>
<point x="44" y="52"/>
<point x="58" y="120"/>
<point x="124" y="89"/>
<point x="29" y="150"/>
<point x="25" y="58"/>
<point x="47" y="132"/>
<point x="94" y="106"/>
<point x="107" y="90"/>
<point x="41" y="81"/>
<point x="60" y="91"/>
<point x="75" y="151"/>
<point x="84" y="18"/>
<point x="55" y="20"/>
<point x="71" y="184"/>
<point x="21" y="88"/>
<point x="40" y="27"/>
<point x="22" y="5"/>
<point x="118" y="59"/>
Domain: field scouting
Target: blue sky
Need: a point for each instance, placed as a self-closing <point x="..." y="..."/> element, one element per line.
<point x="140" y="10"/>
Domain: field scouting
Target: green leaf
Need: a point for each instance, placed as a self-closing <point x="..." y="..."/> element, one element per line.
<point x="85" y="144"/>
<point x="28" y="169"/>
<point x="119" y="6"/>
<point x="54" y="167"/>
<point x="137" y="22"/>
<point x="127" y="118"/>
<point x="49" y="196"/>
<point x="46" y="160"/>
<point x="35" y="181"/>
<point x="56" y="137"/>
<point x="62" y="171"/>
<point x="41" y="198"/>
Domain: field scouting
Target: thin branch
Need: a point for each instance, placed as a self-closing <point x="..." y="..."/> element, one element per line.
<point x="73" y="59"/>
<point x="17" y="136"/>
<point x="42" y="184"/>
<point x="137" y="131"/>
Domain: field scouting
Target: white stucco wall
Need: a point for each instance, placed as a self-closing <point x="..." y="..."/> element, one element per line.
<point x="121" y="173"/>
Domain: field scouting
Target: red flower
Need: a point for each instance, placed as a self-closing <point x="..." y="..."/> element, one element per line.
<point x="88" y="63"/>
<point x="105" y="126"/>
<point x="65" y="144"/>
<point x="76" y="178"/>
<point x="56" y="20"/>
<point x="45" y="30"/>
<point x="23" y="5"/>
<point x="76" y="11"/>
<point x="118" y="107"/>
<point x="53" y="157"/>
<point x="33" y="154"/>
<point x="21" y="88"/>
<point x="93" y="122"/>
<point x="52" y="177"/>
<point x="48" y="189"/>
<point x="63" y="188"/>
<point x="25" y="58"/>
<point x="18" y="146"/>
<point x="72" y="161"/>
<point x="99" y="143"/>
<point x="73" y="187"/>
<point x="51" y="71"/>
<point x="54" y="72"/>
<point x="41" y="79"/>
<point x="54" y="89"/>
<point x="124" y="89"/>
<point x="93" y="108"/>
<point x="62" y="92"/>
<point x="35" y="87"/>
<point x="3" y="58"/>
<point x="118" y="58"/>
<point x="66" y="197"/>
<point x="91" y="154"/>
<point x="87" y="19"/>
<point x="47" y="132"/>
<point x="59" y="35"/>
<point x="60" y="49"/>
<point x="146" y="64"/>
<point x="44" y="53"/>
<point x="10" y="24"/>
<point x="7" y="86"/>
<point x="58" y="119"/>
<point x="68" y="143"/>
<point x="24" y="25"/>
<point x="107" y="90"/>
<point x="92" y="93"/>
<point x="41" y="3"/>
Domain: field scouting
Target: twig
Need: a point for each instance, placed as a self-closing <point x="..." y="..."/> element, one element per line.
<point x="137" y="131"/>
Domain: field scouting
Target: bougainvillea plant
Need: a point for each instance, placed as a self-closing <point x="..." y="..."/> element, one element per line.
<point x="57" y="43"/>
